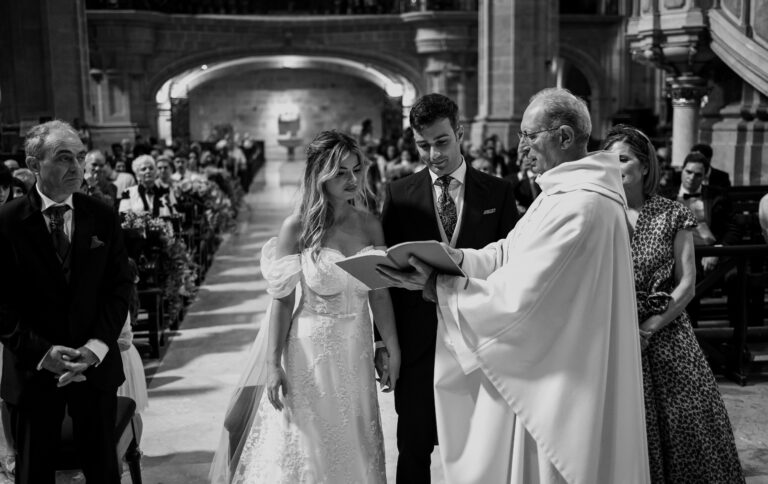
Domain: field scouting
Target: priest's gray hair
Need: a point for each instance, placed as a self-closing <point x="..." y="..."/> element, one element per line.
<point x="564" y="108"/>
<point x="140" y="160"/>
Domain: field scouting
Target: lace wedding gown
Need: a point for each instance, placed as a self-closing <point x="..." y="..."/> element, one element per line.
<point x="329" y="430"/>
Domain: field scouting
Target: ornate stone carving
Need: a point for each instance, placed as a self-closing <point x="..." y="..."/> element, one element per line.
<point x="687" y="90"/>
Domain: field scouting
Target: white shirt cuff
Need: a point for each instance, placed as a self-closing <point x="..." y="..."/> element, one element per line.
<point x="379" y="344"/>
<point x="99" y="349"/>
<point x="40" y="365"/>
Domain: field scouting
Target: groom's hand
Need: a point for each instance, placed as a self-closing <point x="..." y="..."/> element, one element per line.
<point x="411" y="280"/>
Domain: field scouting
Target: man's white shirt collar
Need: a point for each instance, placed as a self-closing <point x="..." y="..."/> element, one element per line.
<point x="47" y="202"/>
<point x="459" y="174"/>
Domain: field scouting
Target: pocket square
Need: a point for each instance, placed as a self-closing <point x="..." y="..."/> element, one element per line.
<point x="95" y="242"/>
<point x="489" y="211"/>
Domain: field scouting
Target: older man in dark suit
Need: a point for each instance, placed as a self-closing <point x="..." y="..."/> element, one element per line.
<point x="64" y="296"/>
<point x="456" y="204"/>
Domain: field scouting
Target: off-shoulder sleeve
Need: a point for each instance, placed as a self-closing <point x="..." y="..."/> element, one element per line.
<point x="684" y="218"/>
<point x="281" y="274"/>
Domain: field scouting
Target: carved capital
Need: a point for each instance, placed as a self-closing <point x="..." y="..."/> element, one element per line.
<point x="687" y="91"/>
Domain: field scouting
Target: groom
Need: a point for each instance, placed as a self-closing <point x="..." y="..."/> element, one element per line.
<point x="64" y="294"/>
<point x="456" y="204"/>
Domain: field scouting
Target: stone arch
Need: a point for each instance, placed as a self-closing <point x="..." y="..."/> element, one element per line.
<point x="395" y="77"/>
<point x="593" y="72"/>
<point x="359" y="65"/>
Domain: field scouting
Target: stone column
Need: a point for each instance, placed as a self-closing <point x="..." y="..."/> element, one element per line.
<point x="45" y="62"/>
<point x="517" y="45"/>
<point x="686" y="92"/>
<point x="446" y="40"/>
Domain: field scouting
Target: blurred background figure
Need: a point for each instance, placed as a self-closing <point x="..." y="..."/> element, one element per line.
<point x="713" y="176"/>
<point x="6" y="181"/>
<point x="96" y="183"/>
<point x="484" y="165"/>
<point x="11" y="164"/>
<point x="26" y="176"/>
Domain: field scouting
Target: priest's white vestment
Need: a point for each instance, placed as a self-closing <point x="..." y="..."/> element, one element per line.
<point x="537" y="370"/>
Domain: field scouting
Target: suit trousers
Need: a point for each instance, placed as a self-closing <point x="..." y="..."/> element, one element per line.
<point x="37" y="433"/>
<point x="416" y="422"/>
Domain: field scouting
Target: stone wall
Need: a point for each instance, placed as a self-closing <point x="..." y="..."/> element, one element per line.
<point x="253" y="101"/>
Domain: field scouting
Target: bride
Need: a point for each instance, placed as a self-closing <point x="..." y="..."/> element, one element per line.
<point x="319" y="420"/>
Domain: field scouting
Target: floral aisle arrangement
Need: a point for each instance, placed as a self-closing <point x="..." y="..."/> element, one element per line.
<point x="177" y="269"/>
<point x="207" y="199"/>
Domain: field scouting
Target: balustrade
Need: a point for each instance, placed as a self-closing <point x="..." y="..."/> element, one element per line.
<point x="282" y="7"/>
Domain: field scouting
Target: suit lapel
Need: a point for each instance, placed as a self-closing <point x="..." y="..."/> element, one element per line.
<point x="470" y="212"/>
<point x="420" y="191"/>
<point x="83" y="229"/>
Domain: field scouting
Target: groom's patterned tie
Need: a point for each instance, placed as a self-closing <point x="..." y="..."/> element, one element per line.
<point x="60" y="241"/>
<point x="446" y="207"/>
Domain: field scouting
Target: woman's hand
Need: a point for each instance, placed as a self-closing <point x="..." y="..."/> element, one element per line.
<point x="645" y="337"/>
<point x="276" y="379"/>
<point x="647" y="328"/>
<point x="394" y="370"/>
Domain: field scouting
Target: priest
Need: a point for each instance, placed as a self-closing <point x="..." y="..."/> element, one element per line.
<point x="542" y="382"/>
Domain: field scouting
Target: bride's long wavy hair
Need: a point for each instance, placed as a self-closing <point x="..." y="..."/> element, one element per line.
<point x="324" y="156"/>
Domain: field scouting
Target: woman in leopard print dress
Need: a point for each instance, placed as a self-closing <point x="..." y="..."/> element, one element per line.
<point x="689" y="435"/>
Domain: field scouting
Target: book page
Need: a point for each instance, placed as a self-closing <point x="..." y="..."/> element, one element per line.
<point x="363" y="268"/>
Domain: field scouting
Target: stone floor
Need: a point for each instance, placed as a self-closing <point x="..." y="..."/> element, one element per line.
<point x="190" y="385"/>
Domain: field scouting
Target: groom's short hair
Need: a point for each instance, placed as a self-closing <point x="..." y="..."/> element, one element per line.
<point x="431" y="108"/>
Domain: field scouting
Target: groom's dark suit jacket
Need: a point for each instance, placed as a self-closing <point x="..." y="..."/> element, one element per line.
<point x="39" y="307"/>
<point x="488" y="214"/>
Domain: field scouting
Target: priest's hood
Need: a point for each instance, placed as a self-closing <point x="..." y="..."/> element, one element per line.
<point x="599" y="172"/>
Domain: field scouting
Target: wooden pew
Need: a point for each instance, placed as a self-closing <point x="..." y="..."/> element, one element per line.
<point x="728" y="346"/>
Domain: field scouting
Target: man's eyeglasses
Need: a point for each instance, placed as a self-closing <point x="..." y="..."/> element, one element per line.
<point x="523" y="135"/>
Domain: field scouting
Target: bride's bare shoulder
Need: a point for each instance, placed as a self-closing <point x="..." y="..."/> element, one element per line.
<point x="288" y="238"/>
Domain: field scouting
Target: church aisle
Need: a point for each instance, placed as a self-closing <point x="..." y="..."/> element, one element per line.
<point x="190" y="386"/>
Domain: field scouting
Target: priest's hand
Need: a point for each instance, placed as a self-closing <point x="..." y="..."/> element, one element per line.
<point x="411" y="280"/>
<point x="456" y="254"/>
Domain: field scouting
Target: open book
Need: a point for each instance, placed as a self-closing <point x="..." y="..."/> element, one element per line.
<point x="363" y="266"/>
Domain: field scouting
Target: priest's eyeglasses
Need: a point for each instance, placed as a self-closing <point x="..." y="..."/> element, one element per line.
<point x="525" y="135"/>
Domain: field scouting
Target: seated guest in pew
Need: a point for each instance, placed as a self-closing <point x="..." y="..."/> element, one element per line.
<point x="96" y="183"/>
<point x="165" y="171"/>
<point x="147" y="196"/>
<point x="713" y="177"/>
<point x="710" y="206"/>
<point x="117" y="175"/>
<point x="689" y="435"/>
<point x="181" y="172"/>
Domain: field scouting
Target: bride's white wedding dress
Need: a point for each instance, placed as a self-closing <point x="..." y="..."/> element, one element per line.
<point x="330" y="429"/>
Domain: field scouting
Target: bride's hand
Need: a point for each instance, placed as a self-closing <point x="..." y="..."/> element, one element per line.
<point x="394" y="370"/>
<point x="276" y="379"/>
